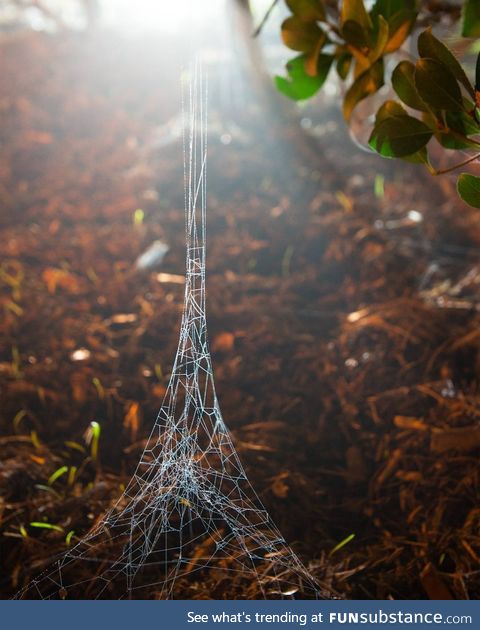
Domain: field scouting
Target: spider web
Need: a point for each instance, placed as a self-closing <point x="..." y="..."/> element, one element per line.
<point x="189" y="514"/>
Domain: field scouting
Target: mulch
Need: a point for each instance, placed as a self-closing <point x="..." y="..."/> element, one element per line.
<point x="353" y="399"/>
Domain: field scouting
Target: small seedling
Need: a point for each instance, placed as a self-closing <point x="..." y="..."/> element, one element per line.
<point x="72" y="472"/>
<point x="35" y="440"/>
<point x="342" y="544"/>
<point x="92" y="438"/>
<point x="42" y="525"/>
<point x="68" y="537"/>
<point x="75" y="445"/>
<point x="19" y="416"/>
<point x="99" y="387"/>
<point x="379" y="186"/>
<point x="57" y="474"/>
<point x="138" y="218"/>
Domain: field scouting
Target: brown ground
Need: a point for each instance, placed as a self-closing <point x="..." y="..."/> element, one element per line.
<point x="353" y="403"/>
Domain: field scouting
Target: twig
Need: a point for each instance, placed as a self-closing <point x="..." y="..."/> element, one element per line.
<point x="265" y="18"/>
<point x="454" y="168"/>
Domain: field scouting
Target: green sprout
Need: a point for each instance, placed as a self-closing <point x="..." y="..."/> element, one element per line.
<point x="72" y="472"/>
<point x="99" y="387"/>
<point x="342" y="544"/>
<point x="379" y="186"/>
<point x="57" y="474"/>
<point x="35" y="440"/>
<point x="43" y="525"/>
<point x="75" y="445"/>
<point x="19" y="416"/>
<point x="92" y="438"/>
<point x="23" y="531"/>
<point x="68" y="537"/>
<point x="138" y="218"/>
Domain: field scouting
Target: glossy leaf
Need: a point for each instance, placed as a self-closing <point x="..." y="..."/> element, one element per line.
<point x="420" y="157"/>
<point x="299" y="85"/>
<point x="471" y="19"/>
<point x="307" y="10"/>
<point x="450" y="141"/>
<point x="431" y="47"/>
<point x="355" y="10"/>
<point x="460" y="125"/>
<point x="403" y="82"/>
<point x="389" y="8"/>
<point x="355" y="34"/>
<point x="468" y="187"/>
<point x="400" y="136"/>
<point x="381" y="39"/>
<point x="437" y="86"/>
<point x="389" y="109"/>
<point x="366" y="84"/>
<point x="300" y="35"/>
<point x="400" y="26"/>
<point x="463" y="123"/>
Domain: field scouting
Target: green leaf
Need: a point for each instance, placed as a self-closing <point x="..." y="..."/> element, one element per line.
<point x="355" y="10"/>
<point x="463" y="123"/>
<point x="403" y="82"/>
<point x="450" y="141"/>
<point x="400" y="25"/>
<point x="471" y="19"/>
<point x="307" y="10"/>
<point x="381" y="39"/>
<point x="388" y="8"/>
<point x="468" y="187"/>
<point x="299" y="86"/>
<point x="420" y="157"/>
<point x="366" y="84"/>
<point x="355" y="34"/>
<point x="399" y="136"/>
<point x="344" y="63"/>
<point x="389" y="109"/>
<point x="431" y="47"/>
<point x="437" y="86"/>
<point x="300" y="35"/>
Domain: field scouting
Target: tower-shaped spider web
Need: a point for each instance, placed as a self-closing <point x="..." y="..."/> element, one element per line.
<point x="189" y="514"/>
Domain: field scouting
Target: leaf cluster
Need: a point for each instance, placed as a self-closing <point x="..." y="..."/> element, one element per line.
<point x="354" y="43"/>
<point x="438" y="90"/>
<point x="437" y="99"/>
